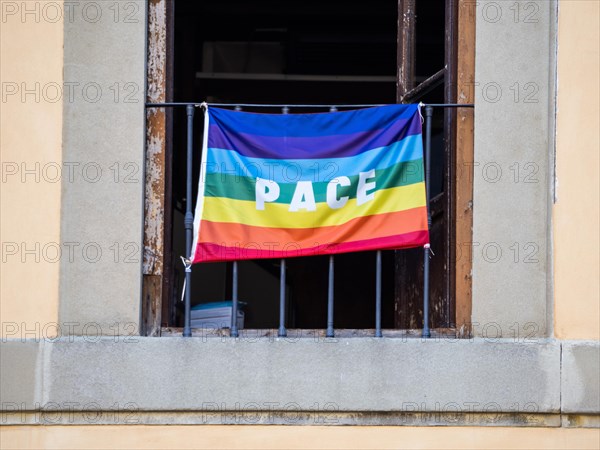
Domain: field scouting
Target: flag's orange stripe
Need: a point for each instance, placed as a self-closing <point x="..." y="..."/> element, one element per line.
<point x="360" y="228"/>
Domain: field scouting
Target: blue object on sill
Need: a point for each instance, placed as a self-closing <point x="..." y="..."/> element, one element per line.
<point x="213" y="305"/>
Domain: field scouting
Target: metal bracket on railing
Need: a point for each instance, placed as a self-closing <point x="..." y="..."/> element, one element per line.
<point x="187" y="264"/>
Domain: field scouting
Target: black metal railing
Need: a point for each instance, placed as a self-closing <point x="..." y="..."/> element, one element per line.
<point x="282" y="331"/>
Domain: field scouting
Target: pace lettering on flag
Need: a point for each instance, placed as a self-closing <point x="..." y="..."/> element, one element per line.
<point x="287" y="185"/>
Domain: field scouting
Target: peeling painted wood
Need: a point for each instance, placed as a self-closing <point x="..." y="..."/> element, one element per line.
<point x="406" y="47"/>
<point x="155" y="140"/>
<point x="155" y="170"/>
<point x="409" y="266"/>
<point x="150" y="289"/>
<point x="463" y="204"/>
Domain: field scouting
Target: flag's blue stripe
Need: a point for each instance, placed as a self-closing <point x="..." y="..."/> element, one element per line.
<point x="334" y="146"/>
<point x="293" y="170"/>
<point x="316" y="124"/>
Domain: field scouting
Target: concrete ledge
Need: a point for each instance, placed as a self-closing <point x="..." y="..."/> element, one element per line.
<point x="580" y="420"/>
<point x="365" y="381"/>
<point x="343" y="375"/>
<point x="20" y="375"/>
<point x="269" y="417"/>
<point x="580" y="383"/>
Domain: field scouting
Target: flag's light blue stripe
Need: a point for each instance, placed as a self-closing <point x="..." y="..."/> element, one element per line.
<point x="333" y="146"/>
<point x="316" y="124"/>
<point x="293" y="170"/>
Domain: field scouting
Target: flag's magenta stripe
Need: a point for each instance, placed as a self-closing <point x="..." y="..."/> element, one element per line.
<point x="207" y="252"/>
<point x="314" y="124"/>
<point x="303" y="147"/>
<point x="360" y="228"/>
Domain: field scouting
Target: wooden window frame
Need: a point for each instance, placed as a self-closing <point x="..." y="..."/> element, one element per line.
<point x="459" y="77"/>
<point x="459" y="81"/>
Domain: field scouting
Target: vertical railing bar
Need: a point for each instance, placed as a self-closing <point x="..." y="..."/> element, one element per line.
<point x="188" y="222"/>
<point x="378" y="332"/>
<point x="330" y="332"/>
<point x="282" y="331"/>
<point x="234" y="295"/>
<point x="426" y="249"/>
<point x="234" y="332"/>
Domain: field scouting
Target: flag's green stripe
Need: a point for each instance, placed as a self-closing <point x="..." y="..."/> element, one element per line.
<point x="243" y="188"/>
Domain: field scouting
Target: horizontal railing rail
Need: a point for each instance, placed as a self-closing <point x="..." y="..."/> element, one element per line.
<point x="189" y="221"/>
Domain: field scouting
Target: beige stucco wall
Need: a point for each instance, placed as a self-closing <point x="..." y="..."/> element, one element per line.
<point x="31" y="52"/>
<point x="576" y="211"/>
<point x="292" y="437"/>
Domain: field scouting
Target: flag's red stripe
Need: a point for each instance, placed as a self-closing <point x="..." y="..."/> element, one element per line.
<point x="206" y="252"/>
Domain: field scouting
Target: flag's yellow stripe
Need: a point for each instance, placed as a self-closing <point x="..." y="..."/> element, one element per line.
<point x="276" y="215"/>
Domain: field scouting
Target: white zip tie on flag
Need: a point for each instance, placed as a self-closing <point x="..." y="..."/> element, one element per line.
<point x="428" y="246"/>
<point x="187" y="264"/>
<point x="421" y="104"/>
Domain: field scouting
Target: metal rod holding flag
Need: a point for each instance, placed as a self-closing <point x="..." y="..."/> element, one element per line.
<point x="189" y="220"/>
<point x="263" y="105"/>
<point x="428" y="115"/>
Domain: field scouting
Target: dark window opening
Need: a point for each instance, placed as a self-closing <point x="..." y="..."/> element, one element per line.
<point x="296" y="52"/>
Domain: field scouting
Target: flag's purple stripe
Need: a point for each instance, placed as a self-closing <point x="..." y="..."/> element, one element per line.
<point x="312" y="124"/>
<point x="337" y="146"/>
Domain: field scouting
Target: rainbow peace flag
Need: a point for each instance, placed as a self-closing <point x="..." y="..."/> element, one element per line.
<point x="287" y="185"/>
